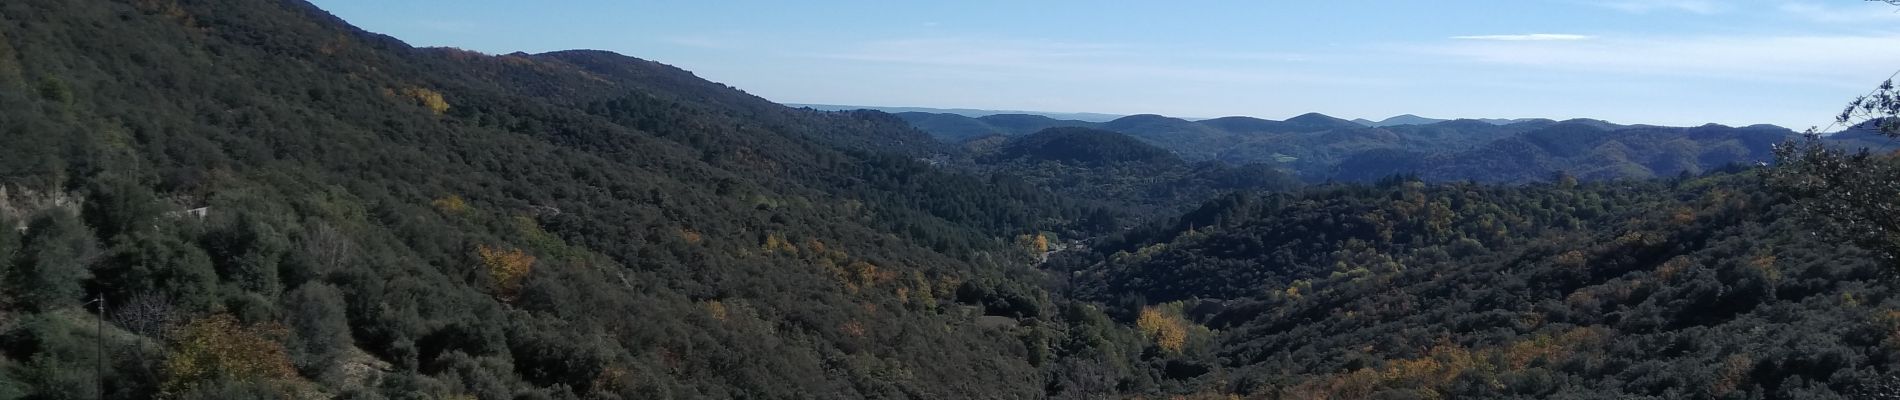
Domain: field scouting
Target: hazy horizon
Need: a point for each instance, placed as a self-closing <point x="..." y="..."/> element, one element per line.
<point x="1660" y="62"/>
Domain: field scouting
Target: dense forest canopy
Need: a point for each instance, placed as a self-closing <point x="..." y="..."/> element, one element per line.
<point x="254" y="199"/>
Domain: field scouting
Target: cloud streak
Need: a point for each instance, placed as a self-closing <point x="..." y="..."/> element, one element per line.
<point x="1822" y="59"/>
<point x="1647" y="6"/>
<point x="1098" y="62"/>
<point x="1532" y="37"/>
<point x="1870" y="12"/>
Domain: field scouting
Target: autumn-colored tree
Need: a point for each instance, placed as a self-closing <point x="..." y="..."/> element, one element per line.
<point x="1730" y="375"/>
<point x="427" y="98"/>
<point x="1573" y="259"/>
<point x="1035" y="245"/>
<point x="218" y="347"/>
<point x="1764" y="261"/>
<point x="716" y="309"/>
<point x="452" y="204"/>
<point x="506" y="268"/>
<point x="1168" y="331"/>
<point x="776" y="242"/>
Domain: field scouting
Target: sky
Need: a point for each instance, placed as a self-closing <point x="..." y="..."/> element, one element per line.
<point x="1793" y="63"/>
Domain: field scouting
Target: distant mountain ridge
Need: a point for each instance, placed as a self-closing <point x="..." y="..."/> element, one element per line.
<point x="1317" y="147"/>
<point x="1410" y="119"/>
<point x="967" y="112"/>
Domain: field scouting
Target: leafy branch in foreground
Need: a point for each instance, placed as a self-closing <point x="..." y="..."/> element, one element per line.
<point x="1856" y="193"/>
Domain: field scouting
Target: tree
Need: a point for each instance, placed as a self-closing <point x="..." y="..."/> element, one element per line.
<point x="1168" y="331"/>
<point x="53" y="261"/>
<point x="219" y="348"/>
<point x="249" y="250"/>
<point x="159" y="263"/>
<point x="323" y="249"/>
<point x="1564" y="179"/>
<point x="506" y="269"/>
<point x="427" y="98"/>
<point x="118" y="205"/>
<point x="1855" y="194"/>
<point x="148" y="315"/>
<point x="9" y="244"/>
<point x="319" y="330"/>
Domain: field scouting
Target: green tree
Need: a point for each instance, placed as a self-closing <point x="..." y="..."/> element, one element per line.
<point x="319" y="329"/>
<point x="117" y="205"/>
<point x="1854" y="193"/>
<point x="62" y="367"/>
<point x="9" y="244"/>
<point x="247" y="251"/>
<point x="53" y="260"/>
<point x="163" y="263"/>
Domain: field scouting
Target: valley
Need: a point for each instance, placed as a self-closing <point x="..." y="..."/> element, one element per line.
<point x="223" y="199"/>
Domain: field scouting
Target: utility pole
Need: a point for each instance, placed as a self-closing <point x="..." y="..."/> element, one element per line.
<point x="99" y="346"/>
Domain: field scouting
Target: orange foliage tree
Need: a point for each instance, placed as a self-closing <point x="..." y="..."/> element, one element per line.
<point x="506" y="268"/>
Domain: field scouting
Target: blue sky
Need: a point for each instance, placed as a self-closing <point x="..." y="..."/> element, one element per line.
<point x="1676" y="62"/>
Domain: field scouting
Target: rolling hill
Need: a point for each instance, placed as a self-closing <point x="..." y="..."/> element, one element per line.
<point x="243" y="199"/>
<point x="272" y="203"/>
<point x="1127" y="175"/>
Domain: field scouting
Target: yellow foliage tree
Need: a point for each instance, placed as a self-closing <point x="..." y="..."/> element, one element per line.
<point x="427" y="98"/>
<point x="451" y="205"/>
<point x="218" y="347"/>
<point x="1035" y="245"/>
<point x="716" y="309"/>
<point x="507" y="268"/>
<point x="776" y="243"/>
<point x="1168" y="331"/>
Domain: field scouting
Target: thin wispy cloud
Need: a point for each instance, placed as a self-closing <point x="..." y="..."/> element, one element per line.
<point x="1864" y="12"/>
<point x="1819" y="59"/>
<point x="1648" y="6"/>
<point x="1058" y="60"/>
<point x="1532" y="37"/>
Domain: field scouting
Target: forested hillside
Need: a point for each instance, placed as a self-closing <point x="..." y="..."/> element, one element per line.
<point x="224" y="199"/>
<point x="272" y="203"/>
<point x="1698" y="288"/>
<point x="1132" y="180"/>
